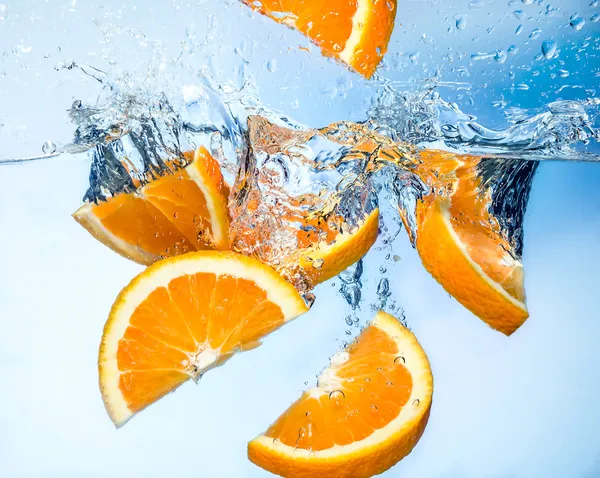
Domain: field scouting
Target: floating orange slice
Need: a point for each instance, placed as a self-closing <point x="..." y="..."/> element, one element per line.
<point x="368" y="411"/>
<point x="183" y="316"/>
<point x="174" y="214"/>
<point x="356" y="32"/>
<point x="463" y="246"/>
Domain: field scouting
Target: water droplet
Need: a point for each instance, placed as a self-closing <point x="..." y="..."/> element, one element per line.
<point x="549" y="49"/>
<point x="535" y="33"/>
<point x="337" y="395"/>
<point x="48" y="147"/>
<point x="473" y="4"/>
<point x="519" y="14"/>
<point x="400" y="359"/>
<point x="577" y="22"/>
<point x="272" y="65"/>
<point x="461" y="23"/>
<point x="318" y="263"/>
<point x="500" y="56"/>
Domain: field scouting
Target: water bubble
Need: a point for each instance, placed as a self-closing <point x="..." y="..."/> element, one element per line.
<point x="522" y="87"/>
<point x="549" y="49"/>
<point x="400" y="359"/>
<point x="389" y="384"/>
<point x="519" y="14"/>
<point x="337" y="395"/>
<point x="500" y="56"/>
<point x="595" y="18"/>
<point x="349" y="320"/>
<point x="527" y="2"/>
<point x="577" y="22"/>
<point x="374" y="407"/>
<point x="416" y="402"/>
<point x="272" y="65"/>
<point x="3" y="11"/>
<point x="414" y="58"/>
<point x="307" y="414"/>
<point x="48" y="147"/>
<point x="318" y="263"/>
<point x="295" y="104"/>
<point x="461" y="23"/>
<point x="563" y="73"/>
<point x="396" y="258"/>
<point x="519" y="30"/>
<point x="536" y="32"/>
<point x="367" y="379"/>
<point x="473" y="4"/>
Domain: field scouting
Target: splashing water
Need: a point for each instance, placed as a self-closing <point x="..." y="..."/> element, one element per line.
<point x="282" y="172"/>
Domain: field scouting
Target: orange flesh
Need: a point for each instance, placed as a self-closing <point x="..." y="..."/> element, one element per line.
<point x="166" y="217"/>
<point x="327" y="23"/>
<point x="174" y="324"/>
<point x="374" y="386"/>
<point x="470" y="218"/>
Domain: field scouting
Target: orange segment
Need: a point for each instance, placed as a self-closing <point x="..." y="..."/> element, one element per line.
<point x="462" y="244"/>
<point x="368" y="411"/>
<point x="183" y="316"/>
<point x="356" y="32"/>
<point x="174" y="214"/>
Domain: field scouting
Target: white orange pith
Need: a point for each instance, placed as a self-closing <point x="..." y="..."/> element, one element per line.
<point x="368" y="411"/>
<point x="179" y="212"/>
<point x="356" y="32"/>
<point x="461" y="243"/>
<point x="183" y="316"/>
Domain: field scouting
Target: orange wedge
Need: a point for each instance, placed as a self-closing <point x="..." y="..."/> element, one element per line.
<point x="463" y="246"/>
<point x="183" y="316"/>
<point x="174" y="214"/>
<point x="368" y="411"/>
<point x="320" y="260"/>
<point x="356" y="32"/>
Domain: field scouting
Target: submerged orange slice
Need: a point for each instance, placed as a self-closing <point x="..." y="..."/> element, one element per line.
<point x="183" y="316"/>
<point x="462" y="245"/>
<point x="368" y="411"/>
<point x="177" y="213"/>
<point x="356" y="32"/>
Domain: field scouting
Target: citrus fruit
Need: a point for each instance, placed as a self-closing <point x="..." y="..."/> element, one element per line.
<point x="462" y="245"/>
<point x="321" y="259"/>
<point x="368" y="410"/>
<point x="174" y="214"/>
<point x="183" y="316"/>
<point x="356" y="32"/>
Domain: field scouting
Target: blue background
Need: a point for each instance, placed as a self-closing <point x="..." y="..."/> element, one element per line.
<point x="524" y="406"/>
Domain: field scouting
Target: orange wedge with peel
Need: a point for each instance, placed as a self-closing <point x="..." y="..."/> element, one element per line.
<point x="183" y="316"/>
<point x="179" y="212"/>
<point x="322" y="260"/>
<point x="367" y="412"/>
<point x="462" y="245"/>
<point x="357" y="32"/>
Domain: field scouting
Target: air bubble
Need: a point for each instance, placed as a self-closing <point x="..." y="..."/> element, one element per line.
<point x="3" y="11"/>
<point x="272" y="65"/>
<point x="577" y="22"/>
<point x="416" y="402"/>
<point x="461" y="23"/>
<point x="48" y="147"/>
<point x="400" y="359"/>
<point x="549" y="49"/>
<point x="337" y="395"/>
<point x="318" y="263"/>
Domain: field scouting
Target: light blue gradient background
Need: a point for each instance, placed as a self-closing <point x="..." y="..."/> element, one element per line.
<point x="525" y="406"/>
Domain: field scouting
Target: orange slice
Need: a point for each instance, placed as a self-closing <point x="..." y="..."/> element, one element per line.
<point x="368" y="411"/>
<point x="356" y="32"/>
<point x="177" y="213"/>
<point x="463" y="246"/>
<point x="183" y="316"/>
<point x="321" y="260"/>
